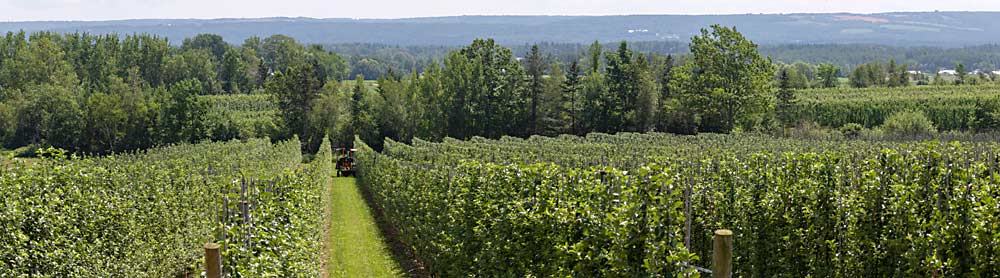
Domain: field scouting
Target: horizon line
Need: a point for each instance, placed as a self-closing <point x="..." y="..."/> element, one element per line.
<point x="483" y="15"/>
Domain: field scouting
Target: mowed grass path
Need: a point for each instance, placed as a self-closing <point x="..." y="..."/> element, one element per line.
<point x="356" y="246"/>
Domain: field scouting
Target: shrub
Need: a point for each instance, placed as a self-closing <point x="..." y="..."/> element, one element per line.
<point x="986" y="117"/>
<point x="27" y="151"/>
<point x="851" y="130"/>
<point x="811" y="130"/>
<point x="909" y="123"/>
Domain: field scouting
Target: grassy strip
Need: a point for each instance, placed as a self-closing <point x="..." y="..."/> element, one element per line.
<point x="356" y="247"/>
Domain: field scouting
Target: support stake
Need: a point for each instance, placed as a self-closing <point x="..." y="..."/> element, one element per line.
<point x="722" y="257"/>
<point x="213" y="261"/>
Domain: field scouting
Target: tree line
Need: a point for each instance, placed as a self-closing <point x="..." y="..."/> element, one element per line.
<point x="376" y="60"/>
<point x="110" y="93"/>
<point x="101" y="94"/>
<point x="484" y="90"/>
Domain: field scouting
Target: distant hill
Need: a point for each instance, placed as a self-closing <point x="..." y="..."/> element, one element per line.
<point x="946" y="29"/>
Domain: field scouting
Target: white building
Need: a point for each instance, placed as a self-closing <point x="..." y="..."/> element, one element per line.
<point x="948" y="72"/>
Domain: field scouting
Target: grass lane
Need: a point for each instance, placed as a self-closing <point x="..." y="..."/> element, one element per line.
<point x="355" y="244"/>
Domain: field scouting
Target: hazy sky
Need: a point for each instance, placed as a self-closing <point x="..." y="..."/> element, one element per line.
<point x="18" y="10"/>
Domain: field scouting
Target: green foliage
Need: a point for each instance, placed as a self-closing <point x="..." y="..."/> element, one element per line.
<point x="183" y="116"/>
<point x="233" y="72"/>
<point x="571" y="98"/>
<point x="8" y="122"/>
<point x="875" y="74"/>
<point x="211" y="42"/>
<point x="149" y="214"/>
<point x="794" y="77"/>
<point x="242" y="116"/>
<point x="485" y="91"/>
<point x="296" y="89"/>
<point x="909" y="123"/>
<point x="363" y="123"/>
<point x="829" y="75"/>
<point x="851" y="130"/>
<point x="550" y="207"/>
<point x="785" y="105"/>
<point x="193" y="64"/>
<point x="948" y="107"/>
<point x="986" y="116"/>
<point x="535" y="68"/>
<point x="960" y="74"/>
<point x="594" y="53"/>
<point x="279" y="52"/>
<point x="595" y="107"/>
<point x="725" y="81"/>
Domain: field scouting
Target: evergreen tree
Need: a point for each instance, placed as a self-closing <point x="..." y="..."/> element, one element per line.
<point x="785" y="99"/>
<point x="595" y="52"/>
<point x="647" y="100"/>
<point x="893" y="75"/>
<point x="570" y="89"/>
<point x="553" y="110"/>
<point x="621" y="80"/>
<point x="362" y="122"/>
<point x="902" y="76"/>
<point x="666" y="74"/>
<point x="595" y="106"/>
<point x="960" y="74"/>
<point x="536" y="72"/>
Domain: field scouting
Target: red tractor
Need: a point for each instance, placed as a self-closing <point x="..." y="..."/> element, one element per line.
<point x="345" y="162"/>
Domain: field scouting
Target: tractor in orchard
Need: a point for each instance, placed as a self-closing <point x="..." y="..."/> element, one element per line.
<point x="345" y="162"/>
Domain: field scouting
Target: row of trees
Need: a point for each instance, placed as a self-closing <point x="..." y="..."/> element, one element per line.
<point x="375" y="60"/>
<point x="876" y="74"/>
<point x="104" y="94"/>
<point x="108" y="93"/>
<point x="483" y="90"/>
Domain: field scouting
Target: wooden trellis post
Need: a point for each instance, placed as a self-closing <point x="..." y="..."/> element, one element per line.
<point x="722" y="257"/>
<point x="213" y="261"/>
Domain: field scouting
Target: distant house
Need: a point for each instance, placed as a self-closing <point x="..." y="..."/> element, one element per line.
<point x="915" y="72"/>
<point x="948" y="72"/>
<point x="996" y="72"/>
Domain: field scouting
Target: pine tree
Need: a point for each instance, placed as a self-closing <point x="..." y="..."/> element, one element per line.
<point x="571" y="90"/>
<point x="960" y="74"/>
<point x="786" y="98"/>
<point x="903" y="76"/>
<point x="891" y="72"/>
<point x="595" y="51"/>
<point x="536" y="71"/>
<point x="666" y="74"/>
